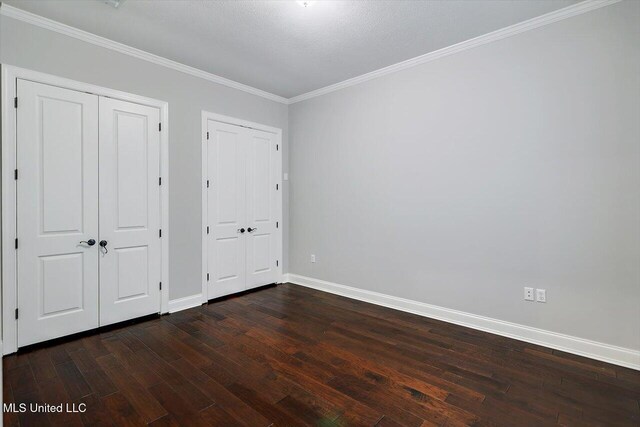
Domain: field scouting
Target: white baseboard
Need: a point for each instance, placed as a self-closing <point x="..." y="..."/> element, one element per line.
<point x="592" y="349"/>
<point x="185" y="303"/>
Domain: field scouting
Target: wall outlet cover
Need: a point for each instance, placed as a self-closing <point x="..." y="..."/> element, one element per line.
<point x="528" y="294"/>
<point x="541" y="295"/>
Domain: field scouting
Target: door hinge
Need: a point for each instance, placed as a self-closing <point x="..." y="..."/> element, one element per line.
<point x="207" y="135"/>
<point x="207" y="183"/>
<point x="276" y="224"/>
<point x="16" y="313"/>
<point x="277" y="186"/>
<point x="16" y="245"/>
<point x="277" y="263"/>
<point x="159" y="127"/>
<point x="160" y="233"/>
<point x="159" y="180"/>
<point x="15" y="174"/>
<point x="207" y="277"/>
<point x="207" y="229"/>
<point x="277" y="148"/>
<point x="160" y="285"/>
<point x="15" y="102"/>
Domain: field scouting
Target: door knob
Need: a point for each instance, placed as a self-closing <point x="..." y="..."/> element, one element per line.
<point x="103" y="243"/>
<point x="251" y="230"/>
<point x="240" y="230"/>
<point x="89" y="242"/>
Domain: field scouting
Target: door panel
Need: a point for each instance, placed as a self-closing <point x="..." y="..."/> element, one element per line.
<point x="130" y="267"/>
<point x="262" y="178"/>
<point x="57" y="208"/>
<point x="132" y="169"/>
<point x="133" y="281"/>
<point x="61" y="283"/>
<point x="226" y="209"/>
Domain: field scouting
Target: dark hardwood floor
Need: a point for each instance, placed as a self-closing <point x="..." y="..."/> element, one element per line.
<point x="292" y="356"/>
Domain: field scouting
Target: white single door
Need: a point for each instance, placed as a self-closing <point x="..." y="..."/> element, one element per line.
<point x="226" y="208"/>
<point x="130" y="260"/>
<point x="262" y="197"/>
<point x="57" y="210"/>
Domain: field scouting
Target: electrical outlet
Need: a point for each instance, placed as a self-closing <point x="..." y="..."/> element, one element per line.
<point x="286" y="176"/>
<point x="541" y="295"/>
<point x="528" y="294"/>
<point x="313" y="258"/>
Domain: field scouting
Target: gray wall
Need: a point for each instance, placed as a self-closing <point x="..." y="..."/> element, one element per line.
<point x="31" y="47"/>
<point x="460" y="181"/>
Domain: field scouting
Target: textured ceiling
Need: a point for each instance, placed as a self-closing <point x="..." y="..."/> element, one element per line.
<point x="283" y="48"/>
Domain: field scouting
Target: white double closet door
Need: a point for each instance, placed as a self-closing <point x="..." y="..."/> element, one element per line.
<point x="243" y="243"/>
<point x="88" y="211"/>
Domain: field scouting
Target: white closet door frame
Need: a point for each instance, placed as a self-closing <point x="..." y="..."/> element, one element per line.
<point x="9" y="76"/>
<point x="206" y="116"/>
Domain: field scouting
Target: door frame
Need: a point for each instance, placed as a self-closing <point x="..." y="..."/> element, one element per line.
<point x="206" y="116"/>
<point x="9" y="76"/>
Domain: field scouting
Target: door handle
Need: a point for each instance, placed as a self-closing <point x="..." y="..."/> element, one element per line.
<point x="103" y="244"/>
<point x="251" y="230"/>
<point x="240" y="230"/>
<point x="89" y="242"/>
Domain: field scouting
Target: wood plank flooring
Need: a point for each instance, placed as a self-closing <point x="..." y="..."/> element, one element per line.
<point x="291" y="356"/>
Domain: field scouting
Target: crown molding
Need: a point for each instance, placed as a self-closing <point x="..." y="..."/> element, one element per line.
<point x="549" y="18"/>
<point x="49" y="24"/>
<point x="503" y="33"/>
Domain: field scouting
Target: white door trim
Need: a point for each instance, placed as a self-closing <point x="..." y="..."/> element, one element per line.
<point x="206" y="116"/>
<point x="9" y="75"/>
